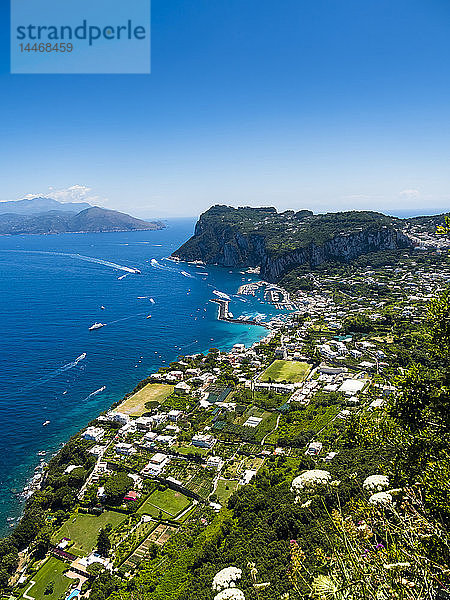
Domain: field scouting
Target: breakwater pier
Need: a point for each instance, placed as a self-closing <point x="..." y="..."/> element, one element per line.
<point x="225" y="315"/>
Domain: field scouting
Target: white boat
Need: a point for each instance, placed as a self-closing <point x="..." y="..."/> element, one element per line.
<point x="45" y="423"/>
<point x="102" y="307"/>
<point x="96" y="326"/>
<point x="149" y="316"/>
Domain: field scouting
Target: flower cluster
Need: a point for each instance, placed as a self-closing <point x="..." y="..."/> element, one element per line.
<point x="376" y="483"/>
<point x="230" y="594"/>
<point x="310" y="479"/>
<point x="383" y="498"/>
<point x="226" y="578"/>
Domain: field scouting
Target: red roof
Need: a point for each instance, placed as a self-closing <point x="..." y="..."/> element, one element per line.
<point x="131" y="496"/>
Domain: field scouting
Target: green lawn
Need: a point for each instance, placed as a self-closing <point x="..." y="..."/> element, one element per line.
<point x="222" y="492"/>
<point x="191" y="450"/>
<point x="291" y="371"/>
<point x="152" y="392"/>
<point x="52" y="570"/>
<point x="83" y="529"/>
<point x="169" y="501"/>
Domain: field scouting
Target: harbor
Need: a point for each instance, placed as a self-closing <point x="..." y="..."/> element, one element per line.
<point x="225" y="315"/>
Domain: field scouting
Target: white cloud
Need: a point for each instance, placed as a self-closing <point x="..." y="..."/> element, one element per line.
<point x="411" y="194"/>
<point x="74" y="193"/>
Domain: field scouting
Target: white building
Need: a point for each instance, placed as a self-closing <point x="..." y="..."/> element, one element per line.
<point x="97" y="450"/>
<point x="126" y="449"/>
<point x="156" y="464"/>
<point x="314" y="448"/>
<point x="118" y="417"/>
<point x="144" y="422"/>
<point x="182" y="388"/>
<point x="350" y="387"/>
<point x="94" y="434"/>
<point x="214" y="462"/>
<point x="203" y="441"/>
<point x="174" y="415"/>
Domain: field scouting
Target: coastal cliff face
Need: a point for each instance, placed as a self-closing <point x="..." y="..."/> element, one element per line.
<point x="343" y="248"/>
<point x="280" y="242"/>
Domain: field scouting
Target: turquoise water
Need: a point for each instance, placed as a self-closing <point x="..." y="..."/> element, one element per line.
<point x="53" y="288"/>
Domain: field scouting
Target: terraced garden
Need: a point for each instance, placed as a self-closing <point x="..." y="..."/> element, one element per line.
<point x="159" y="536"/>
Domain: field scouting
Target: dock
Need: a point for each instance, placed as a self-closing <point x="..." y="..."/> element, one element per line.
<point x="225" y="315"/>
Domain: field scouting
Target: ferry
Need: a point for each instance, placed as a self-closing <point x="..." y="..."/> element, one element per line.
<point x="96" y="326"/>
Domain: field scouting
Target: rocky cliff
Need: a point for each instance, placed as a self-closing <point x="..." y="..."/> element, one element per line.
<point x="280" y="242"/>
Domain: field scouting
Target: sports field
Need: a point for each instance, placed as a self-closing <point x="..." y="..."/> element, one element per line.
<point x="83" y="530"/>
<point x="169" y="501"/>
<point x="291" y="371"/>
<point x="152" y="392"/>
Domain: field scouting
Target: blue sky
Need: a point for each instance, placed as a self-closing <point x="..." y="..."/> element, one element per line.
<point x="320" y="104"/>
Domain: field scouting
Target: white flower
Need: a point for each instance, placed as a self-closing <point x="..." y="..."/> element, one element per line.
<point x="376" y="483"/>
<point x="226" y="578"/>
<point x="397" y="565"/>
<point x="381" y="498"/>
<point x="309" y="479"/>
<point x="230" y="594"/>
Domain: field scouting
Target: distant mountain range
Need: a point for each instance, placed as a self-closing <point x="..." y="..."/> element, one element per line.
<point x="34" y="206"/>
<point x="46" y="215"/>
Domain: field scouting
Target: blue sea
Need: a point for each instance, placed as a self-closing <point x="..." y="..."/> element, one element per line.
<point x="52" y="291"/>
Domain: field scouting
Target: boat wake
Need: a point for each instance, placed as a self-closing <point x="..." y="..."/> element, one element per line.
<point x="92" y="394"/>
<point x="53" y="374"/>
<point x="154" y="263"/>
<point x="92" y="259"/>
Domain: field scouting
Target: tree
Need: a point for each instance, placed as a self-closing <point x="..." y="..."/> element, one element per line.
<point x="42" y="542"/>
<point x="95" y="569"/>
<point x="116" y="487"/>
<point x="103" y="542"/>
<point x="425" y="397"/>
<point x="49" y="588"/>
